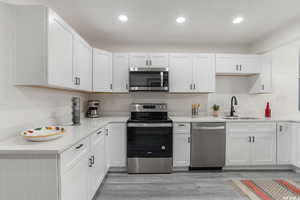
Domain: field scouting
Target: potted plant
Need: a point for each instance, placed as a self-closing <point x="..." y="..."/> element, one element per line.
<point x="216" y="109"/>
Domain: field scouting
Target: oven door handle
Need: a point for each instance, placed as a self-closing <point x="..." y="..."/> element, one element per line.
<point x="149" y="125"/>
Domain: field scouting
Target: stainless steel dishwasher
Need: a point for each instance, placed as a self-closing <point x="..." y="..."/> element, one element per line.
<point x="208" y="145"/>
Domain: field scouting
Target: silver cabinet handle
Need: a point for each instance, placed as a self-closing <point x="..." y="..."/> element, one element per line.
<point x="263" y="87"/>
<point x="150" y="62"/>
<point x="90" y="162"/>
<point x="181" y="125"/>
<point x="191" y="86"/>
<point x="253" y="139"/>
<point x="280" y="128"/>
<point x="250" y="140"/>
<point x="111" y="86"/>
<point x="98" y="133"/>
<point x="149" y="125"/>
<point x="210" y="128"/>
<point x="194" y="86"/>
<point x="240" y="67"/>
<point x="237" y="67"/>
<point x="77" y="81"/>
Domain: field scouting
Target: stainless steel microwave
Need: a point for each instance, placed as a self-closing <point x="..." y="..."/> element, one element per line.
<point x="155" y="79"/>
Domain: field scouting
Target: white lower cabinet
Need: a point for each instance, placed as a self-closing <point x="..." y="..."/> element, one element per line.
<point x="97" y="161"/>
<point x="296" y="145"/>
<point x="251" y="144"/>
<point x="284" y="143"/>
<point x="117" y="145"/>
<point x="238" y="149"/>
<point x="181" y="145"/>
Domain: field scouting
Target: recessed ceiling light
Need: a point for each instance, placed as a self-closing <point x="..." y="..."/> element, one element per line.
<point x="180" y="20"/>
<point x="237" y="20"/>
<point x="123" y="18"/>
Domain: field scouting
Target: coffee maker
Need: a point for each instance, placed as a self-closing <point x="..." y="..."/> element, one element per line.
<point x="93" y="109"/>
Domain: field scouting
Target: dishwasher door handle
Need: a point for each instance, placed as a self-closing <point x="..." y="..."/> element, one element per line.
<point x="209" y="128"/>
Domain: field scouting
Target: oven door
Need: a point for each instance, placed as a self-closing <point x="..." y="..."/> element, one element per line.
<point x="149" y="140"/>
<point x="149" y="79"/>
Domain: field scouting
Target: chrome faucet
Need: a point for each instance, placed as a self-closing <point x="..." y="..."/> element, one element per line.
<point x="232" y="111"/>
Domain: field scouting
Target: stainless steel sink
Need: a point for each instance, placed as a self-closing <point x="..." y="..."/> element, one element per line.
<point x="240" y="118"/>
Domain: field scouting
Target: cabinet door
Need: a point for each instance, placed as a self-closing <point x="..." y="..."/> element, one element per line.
<point x="263" y="149"/>
<point x="98" y="158"/>
<point x="138" y="59"/>
<point x="284" y="141"/>
<point x="159" y="59"/>
<point x="181" y="150"/>
<point x="82" y="65"/>
<point x="102" y="71"/>
<point x="226" y="64"/>
<point x="204" y="73"/>
<point x="181" y="73"/>
<point x="238" y="149"/>
<point x="266" y="74"/>
<point x="120" y="72"/>
<point x="117" y="145"/>
<point x="74" y="182"/>
<point x="60" y="53"/>
<point x="249" y="64"/>
<point x="296" y="146"/>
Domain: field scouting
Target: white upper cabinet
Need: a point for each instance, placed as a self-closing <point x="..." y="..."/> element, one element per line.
<point x="190" y="73"/>
<point x="237" y="64"/>
<point x="60" y="52"/>
<point x="159" y="59"/>
<point x="49" y="52"/>
<point x="204" y="73"/>
<point x="262" y="83"/>
<point x="83" y="68"/>
<point x="138" y="60"/>
<point x="120" y="72"/>
<point x="102" y="71"/>
<point x="181" y="73"/>
<point x="149" y="59"/>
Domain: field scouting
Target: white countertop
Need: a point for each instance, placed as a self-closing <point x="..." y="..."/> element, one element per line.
<point x="18" y="145"/>
<point x="221" y="119"/>
<point x="73" y="135"/>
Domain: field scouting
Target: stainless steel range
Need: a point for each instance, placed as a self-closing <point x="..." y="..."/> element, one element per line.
<point x="149" y="139"/>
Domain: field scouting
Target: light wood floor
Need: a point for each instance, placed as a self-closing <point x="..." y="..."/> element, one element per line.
<point x="181" y="186"/>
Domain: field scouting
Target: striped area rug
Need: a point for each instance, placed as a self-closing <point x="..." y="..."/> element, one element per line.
<point x="269" y="189"/>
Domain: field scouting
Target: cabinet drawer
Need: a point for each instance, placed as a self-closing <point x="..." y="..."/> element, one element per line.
<point x="71" y="156"/>
<point x="182" y="127"/>
<point x="250" y="127"/>
<point x="98" y="134"/>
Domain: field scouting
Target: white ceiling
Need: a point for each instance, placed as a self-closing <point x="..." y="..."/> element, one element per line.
<point x="153" y="21"/>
